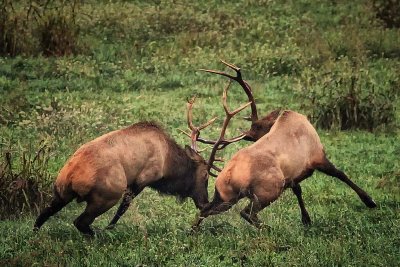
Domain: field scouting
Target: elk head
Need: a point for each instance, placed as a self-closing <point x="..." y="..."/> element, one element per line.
<point x="222" y="142"/>
<point x="261" y="127"/>
<point x="199" y="192"/>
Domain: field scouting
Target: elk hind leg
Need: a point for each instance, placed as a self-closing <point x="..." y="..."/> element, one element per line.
<point x="296" y="189"/>
<point x="96" y="205"/>
<point x="305" y="217"/>
<point x="55" y="206"/>
<point x="328" y="168"/>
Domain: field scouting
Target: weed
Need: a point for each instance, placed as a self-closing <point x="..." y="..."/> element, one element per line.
<point x="24" y="184"/>
<point x="15" y="35"/>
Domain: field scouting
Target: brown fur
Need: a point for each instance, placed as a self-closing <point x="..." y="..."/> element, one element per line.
<point x="287" y="150"/>
<point x="138" y="156"/>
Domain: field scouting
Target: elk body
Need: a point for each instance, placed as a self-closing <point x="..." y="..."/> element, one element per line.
<point x="139" y="156"/>
<point x="287" y="151"/>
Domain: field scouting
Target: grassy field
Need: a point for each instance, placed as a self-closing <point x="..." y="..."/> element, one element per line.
<point x="139" y="60"/>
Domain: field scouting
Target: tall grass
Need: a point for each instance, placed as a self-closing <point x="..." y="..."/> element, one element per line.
<point x="346" y="96"/>
<point x="24" y="182"/>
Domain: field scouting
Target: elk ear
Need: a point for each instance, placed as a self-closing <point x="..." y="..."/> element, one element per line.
<point x="247" y="118"/>
<point x="191" y="153"/>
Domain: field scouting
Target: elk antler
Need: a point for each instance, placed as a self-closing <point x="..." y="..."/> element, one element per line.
<point x="195" y="131"/>
<point x="222" y="142"/>
<point x="246" y="87"/>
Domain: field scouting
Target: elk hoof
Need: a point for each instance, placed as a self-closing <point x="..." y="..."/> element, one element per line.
<point x="193" y="230"/>
<point x="110" y="227"/>
<point x="369" y="202"/>
<point x="251" y="219"/>
<point x="306" y="220"/>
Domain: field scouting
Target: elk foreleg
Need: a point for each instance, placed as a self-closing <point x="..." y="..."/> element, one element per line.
<point x="249" y="213"/>
<point x="217" y="206"/>
<point x="262" y="197"/>
<point x="129" y="195"/>
<point x="328" y="168"/>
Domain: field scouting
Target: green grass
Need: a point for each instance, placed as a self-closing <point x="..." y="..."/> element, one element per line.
<point x="140" y="63"/>
<point x="155" y="230"/>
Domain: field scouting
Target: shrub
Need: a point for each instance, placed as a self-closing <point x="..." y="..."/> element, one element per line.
<point x="347" y="96"/>
<point x="24" y="185"/>
<point x="34" y="27"/>
<point x="15" y="34"/>
<point x="388" y="11"/>
<point x="58" y="35"/>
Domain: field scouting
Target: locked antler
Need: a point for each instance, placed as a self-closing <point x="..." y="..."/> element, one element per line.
<point x="222" y="142"/>
<point x="246" y="87"/>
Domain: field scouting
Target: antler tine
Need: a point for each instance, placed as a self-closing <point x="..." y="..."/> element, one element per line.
<point x="224" y="100"/>
<point x="189" y="112"/>
<point x="230" y="65"/>
<point x="220" y="73"/>
<point x="207" y="123"/>
<point x="184" y="132"/>
<point x="219" y="159"/>
<point x="212" y="174"/>
<point x="216" y="168"/>
<point x="195" y="131"/>
<point x="237" y="69"/>
<point x="226" y="142"/>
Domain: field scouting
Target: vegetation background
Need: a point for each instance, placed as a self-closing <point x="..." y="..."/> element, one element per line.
<point x="73" y="70"/>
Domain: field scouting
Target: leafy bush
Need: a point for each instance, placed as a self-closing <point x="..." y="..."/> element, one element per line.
<point x="345" y="96"/>
<point x="24" y="184"/>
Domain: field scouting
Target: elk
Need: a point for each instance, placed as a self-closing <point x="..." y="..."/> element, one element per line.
<point x="194" y="136"/>
<point x="286" y="151"/>
<point x="141" y="155"/>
